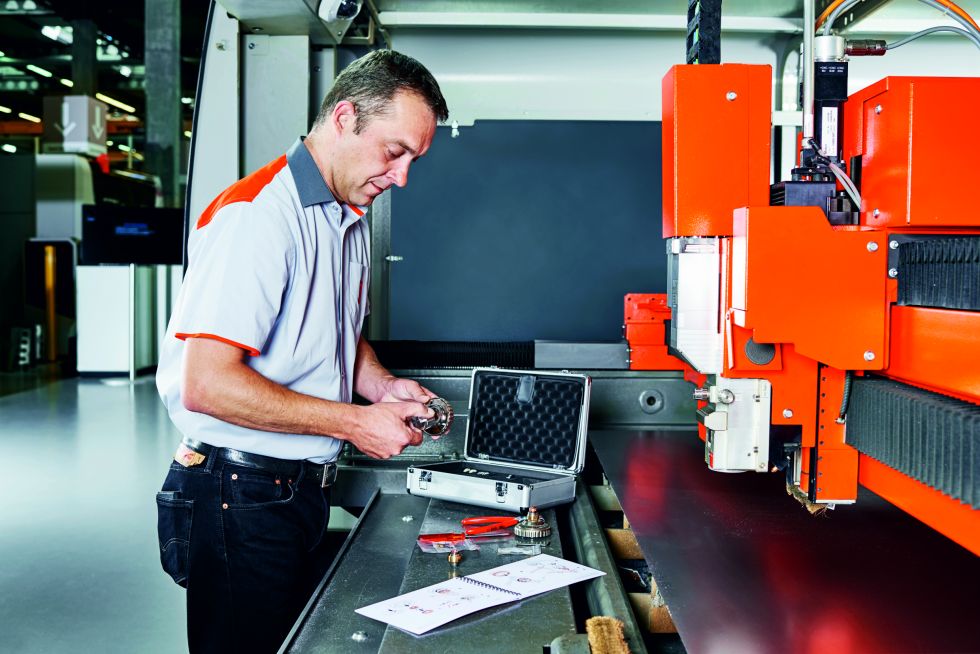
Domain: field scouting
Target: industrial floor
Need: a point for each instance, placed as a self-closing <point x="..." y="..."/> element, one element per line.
<point x="81" y="461"/>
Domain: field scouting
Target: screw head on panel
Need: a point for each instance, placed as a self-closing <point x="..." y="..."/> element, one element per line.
<point x="731" y="95"/>
<point x="876" y="213"/>
<point x="893" y="272"/>
<point x="878" y="109"/>
<point x="869" y="356"/>
<point x="893" y="245"/>
<point x="787" y="413"/>
<point x="872" y="246"/>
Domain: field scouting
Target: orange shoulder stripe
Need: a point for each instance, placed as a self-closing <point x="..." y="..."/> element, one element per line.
<point x="244" y="190"/>
<point x="251" y="350"/>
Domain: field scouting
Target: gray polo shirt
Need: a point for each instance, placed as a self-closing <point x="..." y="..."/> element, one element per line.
<point x="279" y="268"/>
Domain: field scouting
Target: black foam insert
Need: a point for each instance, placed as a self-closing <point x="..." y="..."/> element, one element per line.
<point x="542" y="431"/>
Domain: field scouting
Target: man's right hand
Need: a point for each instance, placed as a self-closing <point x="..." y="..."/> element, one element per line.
<point x="383" y="430"/>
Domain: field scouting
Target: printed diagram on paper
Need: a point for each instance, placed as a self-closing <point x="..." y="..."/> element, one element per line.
<point x="535" y="575"/>
<point x="426" y="608"/>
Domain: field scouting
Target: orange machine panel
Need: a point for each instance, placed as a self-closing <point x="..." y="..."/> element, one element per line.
<point x="644" y="321"/>
<point x="938" y="349"/>
<point x="796" y="279"/>
<point x="918" y="149"/>
<point x="714" y="113"/>
<point x="944" y="514"/>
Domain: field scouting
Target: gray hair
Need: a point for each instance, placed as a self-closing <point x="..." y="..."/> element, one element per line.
<point x="371" y="82"/>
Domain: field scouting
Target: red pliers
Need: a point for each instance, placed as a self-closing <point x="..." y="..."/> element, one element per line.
<point x="487" y="524"/>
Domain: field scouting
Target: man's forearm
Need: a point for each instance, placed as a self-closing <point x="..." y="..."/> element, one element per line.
<point x="369" y="375"/>
<point x="240" y="395"/>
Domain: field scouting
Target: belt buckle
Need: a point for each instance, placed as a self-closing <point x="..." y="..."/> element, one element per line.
<point x="329" y="475"/>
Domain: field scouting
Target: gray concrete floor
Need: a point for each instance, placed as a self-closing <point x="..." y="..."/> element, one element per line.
<point x="80" y="463"/>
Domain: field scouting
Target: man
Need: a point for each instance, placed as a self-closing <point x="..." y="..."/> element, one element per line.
<point x="264" y="352"/>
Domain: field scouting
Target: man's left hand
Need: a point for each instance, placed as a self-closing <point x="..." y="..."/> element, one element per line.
<point x="397" y="389"/>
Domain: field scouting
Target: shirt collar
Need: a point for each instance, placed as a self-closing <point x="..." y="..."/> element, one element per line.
<point x="309" y="182"/>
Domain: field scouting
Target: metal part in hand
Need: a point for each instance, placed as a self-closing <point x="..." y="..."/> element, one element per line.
<point x="440" y="423"/>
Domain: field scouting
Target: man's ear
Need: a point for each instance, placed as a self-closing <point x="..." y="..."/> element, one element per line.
<point x="344" y="116"/>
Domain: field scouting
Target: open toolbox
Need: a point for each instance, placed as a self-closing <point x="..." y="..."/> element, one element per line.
<point x="524" y="444"/>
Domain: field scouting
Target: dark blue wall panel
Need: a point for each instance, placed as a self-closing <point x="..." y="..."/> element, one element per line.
<point x="528" y="230"/>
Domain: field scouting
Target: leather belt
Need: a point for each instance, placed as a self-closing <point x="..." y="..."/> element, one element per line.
<point x="325" y="474"/>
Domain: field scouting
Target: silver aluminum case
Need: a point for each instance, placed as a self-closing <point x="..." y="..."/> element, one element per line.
<point x="557" y="485"/>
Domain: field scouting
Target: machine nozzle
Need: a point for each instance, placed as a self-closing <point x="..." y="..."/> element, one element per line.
<point x="440" y="423"/>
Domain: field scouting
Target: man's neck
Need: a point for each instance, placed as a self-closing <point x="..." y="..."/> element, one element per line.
<point x="315" y="145"/>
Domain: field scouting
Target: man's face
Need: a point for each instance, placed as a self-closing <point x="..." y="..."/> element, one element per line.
<point x="364" y="165"/>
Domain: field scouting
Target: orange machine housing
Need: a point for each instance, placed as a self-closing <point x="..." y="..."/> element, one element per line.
<point x="825" y="296"/>
<point x="918" y="148"/>
<point x="711" y="112"/>
<point x="645" y="317"/>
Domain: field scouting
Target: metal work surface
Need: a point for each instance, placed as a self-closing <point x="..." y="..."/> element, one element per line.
<point x="382" y="560"/>
<point x="369" y="570"/>
<point x="744" y="568"/>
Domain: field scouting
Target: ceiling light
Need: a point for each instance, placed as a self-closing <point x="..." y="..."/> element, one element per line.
<point x="29" y="5"/>
<point x="112" y="50"/>
<point x="6" y="147"/>
<point x="2" y="53"/>
<point x="115" y="103"/>
<point x="67" y="82"/>
<point x="4" y="110"/>
<point x="186" y="100"/>
<point x="38" y="70"/>
<point x="125" y="71"/>
<point x="109" y="143"/>
<point x="12" y="5"/>
<point x="58" y="33"/>
<point x="33" y="119"/>
<point x="124" y="147"/>
<point x="187" y="133"/>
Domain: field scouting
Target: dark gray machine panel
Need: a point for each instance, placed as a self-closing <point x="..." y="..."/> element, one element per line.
<point x="522" y="230"/>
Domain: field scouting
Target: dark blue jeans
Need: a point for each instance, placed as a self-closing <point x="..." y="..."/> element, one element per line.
<point x="249" y="547"/>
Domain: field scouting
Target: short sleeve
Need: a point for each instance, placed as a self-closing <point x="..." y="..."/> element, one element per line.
<point x="238" y="270"/>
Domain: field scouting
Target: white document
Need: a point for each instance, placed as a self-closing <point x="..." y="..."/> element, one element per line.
<point x="536" y="575"/>
<point x="427" y="608"/>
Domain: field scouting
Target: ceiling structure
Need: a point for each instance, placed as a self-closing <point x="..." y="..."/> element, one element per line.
<point x="36" y="50"/>
<point x="35" y="35"/>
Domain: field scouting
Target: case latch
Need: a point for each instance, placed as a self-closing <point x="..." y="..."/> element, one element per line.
<point x="502" y="491"/>
<point x="425" y="476"/>
<point x="525" y="389"/>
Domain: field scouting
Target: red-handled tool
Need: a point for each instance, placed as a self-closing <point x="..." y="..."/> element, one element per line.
<point x="450" y="537"/>
<point x="487" y="523"/>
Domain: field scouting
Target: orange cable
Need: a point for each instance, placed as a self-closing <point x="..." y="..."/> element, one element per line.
<point x="946" y="3"/>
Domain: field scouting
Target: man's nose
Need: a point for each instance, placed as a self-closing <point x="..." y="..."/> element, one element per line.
<point x="399" y="175"/>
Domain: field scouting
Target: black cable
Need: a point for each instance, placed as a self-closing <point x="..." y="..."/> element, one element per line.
<point x="846" y="398"/>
